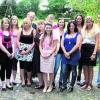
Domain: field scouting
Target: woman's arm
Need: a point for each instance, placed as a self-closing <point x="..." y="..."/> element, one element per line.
<point x="4" y="49"/>
<point x="18" y="38"/>
<point x="77" y="46"/>
<point x="13" y="46"/>
<point x="57" y="46"/>
<point x="54" y="47"/>
<point x="93" y="56"/>
<point x="63" y="48"/>
<point x="40" y="47"/>
<point x="96" y="45"/>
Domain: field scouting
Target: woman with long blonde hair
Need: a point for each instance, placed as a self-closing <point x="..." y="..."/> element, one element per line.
<point x="89" y="51"/>
<point x="25" y="42"/>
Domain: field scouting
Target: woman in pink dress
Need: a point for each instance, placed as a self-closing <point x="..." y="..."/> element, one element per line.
<point x="47" y="59"/>
<point x="14" y="28"/>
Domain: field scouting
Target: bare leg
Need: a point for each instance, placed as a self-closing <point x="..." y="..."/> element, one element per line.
<point x="45" y="82"/>
<point x="14" y="72"/>
<point x="51" y="75"/>
<point x="29" y="78"/>
<point x="86" y="73"/>
<point x="90" y="75"/>
<point x="85" y="69"/>
<point x="22" y="76"/>
<point x="90" y="78"/>
<point x="40" y="77"/>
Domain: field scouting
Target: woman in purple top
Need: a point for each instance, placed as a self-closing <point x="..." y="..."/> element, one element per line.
<point x="5" y="54"/>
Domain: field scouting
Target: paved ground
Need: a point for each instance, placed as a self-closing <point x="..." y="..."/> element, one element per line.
<point x="29" y="93"/>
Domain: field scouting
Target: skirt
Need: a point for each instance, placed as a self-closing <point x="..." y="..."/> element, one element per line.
<point x="28" y="57"/>
<point x="86" y="53"/>
<point x="47" y="64"/>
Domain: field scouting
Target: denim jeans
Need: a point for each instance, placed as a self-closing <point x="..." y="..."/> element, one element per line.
<point x="98" y="78"/>
<point x="58" y="60"/>
<point x="65" y="71"/>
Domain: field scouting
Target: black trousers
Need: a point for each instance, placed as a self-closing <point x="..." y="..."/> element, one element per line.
<point x="6" y="68"/>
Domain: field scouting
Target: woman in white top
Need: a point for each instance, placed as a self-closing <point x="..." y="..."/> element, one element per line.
<point x="88" y="51"/>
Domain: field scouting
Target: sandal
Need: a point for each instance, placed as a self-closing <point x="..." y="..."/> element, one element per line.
<point x="84" y="86"/>
<point x="90" y="87"/>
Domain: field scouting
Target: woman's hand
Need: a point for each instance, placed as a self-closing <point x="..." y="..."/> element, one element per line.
<point x="12" y="55"/>
<point x="45" y="55"/>
<point x="93" y="57"/>
<point x="9" y="55"/>
<point x="23" y="52"/>
<point x="67" y="55"/>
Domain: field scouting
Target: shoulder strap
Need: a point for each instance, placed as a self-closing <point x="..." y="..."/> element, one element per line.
<point x="21" y="32"/>
<point x="65" y="34"/>
<point x="77" y="34"/>
<point x="32" y="33"/>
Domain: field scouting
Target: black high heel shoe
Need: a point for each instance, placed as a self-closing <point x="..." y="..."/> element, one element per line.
<point x="9" y="87"/>
<point x="70" y="89"/>
<point x="4" y="89"/>
<point x="39" y="87"/>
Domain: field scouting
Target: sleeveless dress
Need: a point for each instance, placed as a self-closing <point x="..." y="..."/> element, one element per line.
<point x="25" y="43"/>
<point x="36" y="57"/>
<point x="47" y="64"/>
<point x="69" y="43"/>
<point x="14" y="41"/>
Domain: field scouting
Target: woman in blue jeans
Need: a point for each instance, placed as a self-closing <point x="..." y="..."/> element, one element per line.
<point x="59" y="52"/>
<point x="98" y="79"/>
<point x="98" y="53"/>
<point x="70" y="45"/>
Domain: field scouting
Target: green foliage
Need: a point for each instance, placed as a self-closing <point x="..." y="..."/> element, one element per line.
<point x="25" y="6"/>
<point x="5" y="8"/>
<point x="42" y="14"/>
<point x="87" y="7"/>
<point x="56" y="6"/>
<point x="21" y="8"/>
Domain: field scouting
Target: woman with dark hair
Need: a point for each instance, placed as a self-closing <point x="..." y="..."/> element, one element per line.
<point x="36" y="57"/>
<point x="70" y="45"/>
<point x="80" y="23"/>
<point x="59" y="33"/>
<point x="6" y="53"/>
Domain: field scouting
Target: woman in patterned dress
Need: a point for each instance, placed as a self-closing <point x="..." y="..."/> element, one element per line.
<point x="14" y="28"/>
<point x="25" y="53"/>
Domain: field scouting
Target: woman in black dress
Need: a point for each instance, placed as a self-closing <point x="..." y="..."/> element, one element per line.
<point x="36" y="58"/>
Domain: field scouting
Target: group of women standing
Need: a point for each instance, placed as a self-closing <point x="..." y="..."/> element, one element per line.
<point x="41" y="49"/>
